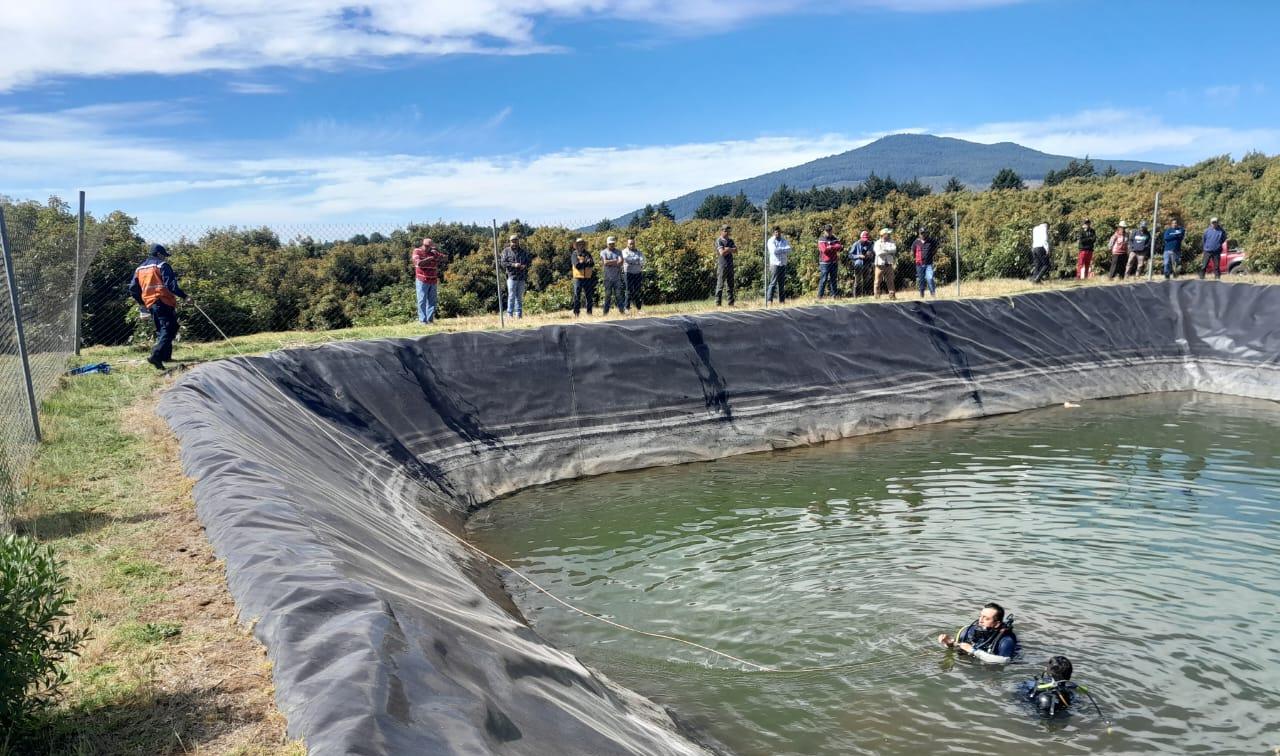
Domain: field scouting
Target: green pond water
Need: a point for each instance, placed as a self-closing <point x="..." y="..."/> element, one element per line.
<point x="1140" y="537"/>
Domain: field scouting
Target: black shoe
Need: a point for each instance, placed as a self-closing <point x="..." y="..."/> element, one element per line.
<point x="156" y="362"/>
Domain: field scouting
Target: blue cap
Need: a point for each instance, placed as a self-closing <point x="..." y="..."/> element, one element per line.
<point x="158" y="250"/>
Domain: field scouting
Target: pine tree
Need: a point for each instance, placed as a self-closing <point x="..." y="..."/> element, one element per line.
<point x="664" y="211"/>
<point x="1007" y="178"/>
<point x="714" y="207"/>
<point x="953" y="186"/>
<point x="604" y="225"/>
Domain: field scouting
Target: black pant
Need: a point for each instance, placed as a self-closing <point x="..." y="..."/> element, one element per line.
<point x="634" y="282"/>
<point x="1212" y="260"/>
<point x="724" y="277"/>
<point x="165" y="319"/>
<point x="584" y="288"/>
<point x="861" y="277"/>
<point x="1117" y="264"/>
<point x="778" y="281"/>
<point x="1039" y="264"/>
<point x="615" y="293"/>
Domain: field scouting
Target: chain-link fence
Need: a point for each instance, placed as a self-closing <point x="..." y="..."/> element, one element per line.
<point x="325" y="277"/>
<point x="46" y="253"/>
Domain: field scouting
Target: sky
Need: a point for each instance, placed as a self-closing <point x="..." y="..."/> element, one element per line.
<point x="305" y="113"/>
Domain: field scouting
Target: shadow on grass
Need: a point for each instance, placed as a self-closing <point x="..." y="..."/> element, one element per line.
<point x="74" y="522"/>
<point x="141" y="723"/>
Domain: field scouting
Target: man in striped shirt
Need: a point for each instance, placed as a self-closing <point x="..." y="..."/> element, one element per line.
<point x="155" y="287"/>
<point x="427" y="260"/>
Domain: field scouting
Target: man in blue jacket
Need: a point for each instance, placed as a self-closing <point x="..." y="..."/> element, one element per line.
<point x="155" y="287"/>
<point x="988" y="638"/>
<point x="1173" y="247"/>
<point x="1215" y="237"/>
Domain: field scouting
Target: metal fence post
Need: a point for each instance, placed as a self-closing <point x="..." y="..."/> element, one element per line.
<point x="75" y="302"/>
<point x="766" y="257"/>
<point x="1151" y="250"/>
<point x="12" y="278"/>
<point x="497" y="275"/>
<point x="956" y="225"/>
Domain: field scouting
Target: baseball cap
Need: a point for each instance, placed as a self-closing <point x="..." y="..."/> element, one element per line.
<point x="1213" y="220"/>
<point x="579" y="240"/>
<point x="513" y="237"/>
<point x="886" y="230"/>
<point x="159" y="250"/>
<point x="611" y="240"/>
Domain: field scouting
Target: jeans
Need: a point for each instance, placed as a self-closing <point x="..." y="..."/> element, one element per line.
<point x="827" y="277"/>
<point x="924" y="276"/>
<point x="614" y="292"/>
<point x="1171" y="262"/>
<point x="584" y="288"/>
<point x="1212" y="260"/>
<point x="515" y="296"/>
<point x="1084" y="264"/>
<point x="778" y="281"/>
<point x="426" y="301"/>
<point x="634" y="283"/>
<point x="724" y="278"/>
<point x="165" y="319"/>
<point x="1117" y="264"/>
<point x="1039" y="264"/>
<point x="860" y="270"/>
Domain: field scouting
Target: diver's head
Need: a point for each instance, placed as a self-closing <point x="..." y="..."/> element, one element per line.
<point x="1058" y="668"/>
<point x="991" y="617"/>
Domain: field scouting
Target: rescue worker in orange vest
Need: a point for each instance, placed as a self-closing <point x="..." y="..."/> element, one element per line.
<point x="155" y="287"/>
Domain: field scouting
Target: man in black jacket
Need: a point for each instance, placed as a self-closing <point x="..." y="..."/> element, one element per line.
<point x="1085" y="240"/>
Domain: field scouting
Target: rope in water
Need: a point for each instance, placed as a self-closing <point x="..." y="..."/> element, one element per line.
<point x="749" y="665"/>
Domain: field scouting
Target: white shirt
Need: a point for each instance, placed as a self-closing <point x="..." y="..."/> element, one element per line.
<point x="1040" y="236"/>
<point x="779" y="250"/>
<point x="632" y="261"/>
<point x="886" y="251"/>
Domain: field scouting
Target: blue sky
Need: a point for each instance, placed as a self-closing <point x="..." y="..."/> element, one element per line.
<point x="298" y="113"/>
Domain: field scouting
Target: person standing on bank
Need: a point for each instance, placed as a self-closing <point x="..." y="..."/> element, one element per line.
<point x="1119" y="244"/>
<point x="923" y="250"/>
<point x="516" y="260"/>
<point x="633" y="270"/>
<point x="427" y="260"/>
<point x="779" y="253"/>
<point x="1215" y="241"/>
<point x="725" y="249"/>
<point x="1085" y="242"/>
<point x="611" y="261"/>
<point x="886" y="252"/>
<point x="584" y="276"/>
<point x="829" y="249"/>
<point x="1139" y="250"/>
<point x="1173" y="236"/>
<point x="155" y="287"/>
<point x="862" y="257"/>
<point x="1040" y="251"/>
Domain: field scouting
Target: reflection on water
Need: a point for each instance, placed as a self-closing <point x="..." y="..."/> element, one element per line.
<point x="1140" y="537"/>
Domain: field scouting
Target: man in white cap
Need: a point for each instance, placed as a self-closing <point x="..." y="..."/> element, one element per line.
<point x="886" y="251"/>
<point x="1215" y="241"/>
<point x="516" y="260"/>
<point x="611" y="261"/>
<point x="1119" y="244"/>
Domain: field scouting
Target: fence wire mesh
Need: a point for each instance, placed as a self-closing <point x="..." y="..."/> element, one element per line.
<point x="46" y="272"/>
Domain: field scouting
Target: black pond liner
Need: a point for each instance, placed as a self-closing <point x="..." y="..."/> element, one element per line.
<point x="330" y="478"/>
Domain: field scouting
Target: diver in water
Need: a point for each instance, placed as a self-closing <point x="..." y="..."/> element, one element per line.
<point x="989" y="638"/>
<point x="1052" y="691"/>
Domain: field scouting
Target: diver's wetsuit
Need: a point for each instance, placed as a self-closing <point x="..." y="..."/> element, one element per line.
<point x="990" y="645"/>
<point x="1049" y="696"/>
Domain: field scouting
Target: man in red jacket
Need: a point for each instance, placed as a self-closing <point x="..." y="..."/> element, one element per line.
<point x="427" y="260"/>
<point x="829" y="248"/>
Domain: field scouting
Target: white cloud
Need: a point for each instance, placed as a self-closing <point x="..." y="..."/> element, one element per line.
<point x="55" y="38"/>
<point x="200" y="184"/>
<point x="254" y="88"/>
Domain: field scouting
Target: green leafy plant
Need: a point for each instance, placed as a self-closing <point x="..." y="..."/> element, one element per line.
<point x="36" y="636"/>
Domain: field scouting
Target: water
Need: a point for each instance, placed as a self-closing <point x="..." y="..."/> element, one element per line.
<point x="1140" y="537"/>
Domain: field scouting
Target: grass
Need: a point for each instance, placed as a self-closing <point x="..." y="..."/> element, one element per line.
<point x="169" y="668"/>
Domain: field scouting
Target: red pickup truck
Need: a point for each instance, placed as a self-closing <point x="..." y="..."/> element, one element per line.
<point x="1231" y="261"/>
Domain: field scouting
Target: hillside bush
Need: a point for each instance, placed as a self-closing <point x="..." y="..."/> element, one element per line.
<point x="36" y="636"/>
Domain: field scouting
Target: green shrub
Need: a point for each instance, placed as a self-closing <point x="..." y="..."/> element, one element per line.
<point x="37" y="636"/>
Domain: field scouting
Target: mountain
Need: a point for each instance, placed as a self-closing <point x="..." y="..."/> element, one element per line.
<point x="931" y="159"/>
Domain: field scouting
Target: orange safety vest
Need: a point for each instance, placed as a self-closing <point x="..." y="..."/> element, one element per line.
<point x="152" y="284"/>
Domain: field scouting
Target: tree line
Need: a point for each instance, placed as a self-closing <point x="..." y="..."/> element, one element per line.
<point x="252" y="280"/>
